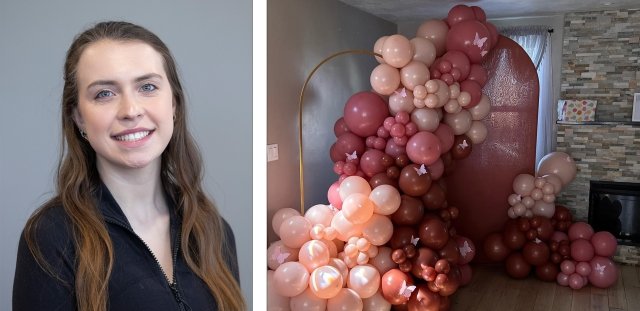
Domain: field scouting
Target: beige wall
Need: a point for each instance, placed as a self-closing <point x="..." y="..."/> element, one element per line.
<point x="300" y="34"/>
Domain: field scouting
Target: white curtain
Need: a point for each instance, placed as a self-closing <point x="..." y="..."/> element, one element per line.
<point x="536" y="40"/>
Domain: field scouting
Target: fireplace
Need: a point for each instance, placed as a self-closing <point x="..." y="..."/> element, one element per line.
<point x="615" y="207"/>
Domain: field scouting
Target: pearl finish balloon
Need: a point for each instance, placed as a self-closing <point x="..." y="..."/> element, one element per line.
<point x="294" y="231"/>
<point x="436" y="31"/>
<point x="382" y="261"/>
<point x="278" y="253"/>
<point x="357" y="208"/>
<point x="423" y="50"/>
<point x="385" y="79"/>
<point x="558" y="163"/>
<point x="364" y="280"/>
<point x="604" y="243"/>
<point x="345" y="300"/>
<point x="376" y="303"/>
<point x="386" y="199"/>
<point x="342" y="267"/>
<point x="344" y="228"/>
<point x="426" y="119"/>
<point x="280" y="216"/>
<point x="604" y="272"/>
<point x="313" y="254"/>
<point x="354" y="184"/>
<point x="399" y="101"/>
<point x="275" y="301"/>
<point x="326" y="281"/>
<point x="413" y="74"/>
<point x="397" y="51"/>
<point x="319" y="214"/>
<point x="333" y="195"/>
<point x="378" y="230"/>
<point x="290" y="279"/>
<point x="308" y="301"/>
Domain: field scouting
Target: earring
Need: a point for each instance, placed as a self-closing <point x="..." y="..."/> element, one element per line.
<point x="83" y="134"/>
<point x="174" y="118"/>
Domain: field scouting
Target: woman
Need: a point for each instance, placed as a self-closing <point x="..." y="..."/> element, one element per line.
<point x="130" y="227"/>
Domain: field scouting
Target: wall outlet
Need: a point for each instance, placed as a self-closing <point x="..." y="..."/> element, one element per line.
<point x="272" y="152"/>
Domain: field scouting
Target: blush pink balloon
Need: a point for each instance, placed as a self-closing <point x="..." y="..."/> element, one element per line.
<point x="523" y="184"/>
<point x="308" y="301"/>
<point x="294" y="231"/>
<point x="568" y="267"/>
<point x="555" y="181"/>
<point x="445" y="136"/>
<point x="382" y="261"/>
<point x="280" y="216"/>
<point x="345" y="300"/>
<point x="542" y="208"/>
<point x="459" y="122"/>
<point x="423" y="50"/>
<point x="385" y="79"/>
<point x="581" y="250"/>
<point x="326" y="281"/>
<point x="413" y="74"/>
<point x="364" y="113"/>
<point x="319" y="214"/>
<point x="558" y="163"/>
<point x="376" y="303"/>
<point x="354" y="184"/>
<point x="357" y="208"/>
<point x="401" y="102"/>
<point x="333" y="195"/>
<point x="278" y="253"/>
<point x="576" y="281"/>
<point x="290" y="279"/>
<point x="377" y="48"/>
<point x="313" y="254"/>
<point x="583" y="268"/>
<point x="342" y="267"/>
<point x="275" y="301"/>
<point x="436" y="31"/>
<point x="386" y="199"/>
<point x="604" y="272"/>
<point x="364" y="280"/>
<point x="397" y="51"/>
<point x="423" y="148"/>
<point x="436" y="169"/>
<point x="378" y="230"/>
<point x="604" y="243"/>
<point x="580" y="230"/>
<point x="344" y="228"/>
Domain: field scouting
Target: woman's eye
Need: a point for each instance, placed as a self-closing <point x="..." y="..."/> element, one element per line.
<point x="148" y="87"/>
<point x="103" y="94"/>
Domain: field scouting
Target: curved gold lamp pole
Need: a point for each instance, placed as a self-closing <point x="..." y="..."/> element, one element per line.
<point x="301" y="100"/>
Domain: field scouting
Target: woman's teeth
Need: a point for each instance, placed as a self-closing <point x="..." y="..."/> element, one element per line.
<point x="133" y="136"/>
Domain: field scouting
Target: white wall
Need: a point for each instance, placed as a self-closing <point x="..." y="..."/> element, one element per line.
<point x="212" y="44"/>
<point x="300" y="35"/>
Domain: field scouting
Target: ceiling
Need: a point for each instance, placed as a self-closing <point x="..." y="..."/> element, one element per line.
<point x="398" y="11"/>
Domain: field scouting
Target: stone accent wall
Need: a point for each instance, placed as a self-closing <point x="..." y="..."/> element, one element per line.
<point x="601" y="60"/>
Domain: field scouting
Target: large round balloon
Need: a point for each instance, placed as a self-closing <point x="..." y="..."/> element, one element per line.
<point x="385" y="79"/>
<point x="558" y="163"/>
<point x="364" y="280"/>
<point x="397" y="51"/>
<point x="291" y="279"/>
<point x="423" y="148"/>
<point x="364" y="113"/>
<point x="397" y="286"/>
<point x="433" y="232"/>
<point x="460" y="13"/>
<point x="470" y="37"/>
<point x="413" y="181"/>
<point x="308" y="301"/>
<point x="347" y="144"/>
<point x="604" y="243"/>
<point x="604" y="272"/>
<point x="409" y="213"/>
<point x="517" y="266"/>
<point x="435" y="30"/>
<point x="494" y="247"/>
<point x="374" y="161"/>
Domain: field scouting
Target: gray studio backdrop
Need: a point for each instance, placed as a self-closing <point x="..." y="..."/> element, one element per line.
<point x="211" y="41"/>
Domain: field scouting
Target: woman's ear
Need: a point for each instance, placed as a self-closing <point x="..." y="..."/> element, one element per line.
<point x="77" y="118"/>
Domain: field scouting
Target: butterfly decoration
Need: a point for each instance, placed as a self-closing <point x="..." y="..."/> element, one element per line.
<point x="402" y="93"/>
<point x="280" y="256"/>
<point x="464" y="144"/>
<point x="333" y="208"/>
<point x="406" y="290"/>
<point x="465" y="249"/>
<point x="414" y="241"/>
<point x="479" y="42"/>
<point x="421" y="171"/>
<point x="352" y="156"/>
<point x="600" y="268"/>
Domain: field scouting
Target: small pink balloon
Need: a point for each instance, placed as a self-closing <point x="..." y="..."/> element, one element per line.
<point x="436" y="169"/>
<point x="583" y="268"/>
<point x="333" y="195"/>
<point x="364" y="280"/>
<point x="445" y="136"/>
<point x="554" y="180"/>
<point x="423" y="148"/>
<point x="378" y="229"/>
<point x="278" y="253"/>
<point x="376" y="303"/>
<point x="345" y="300"/>
<point x="280" y="216"/>
<point x="562" y="279"/>
<point x="523" y="184"/>
<point x="397" y="51"/>
<point x="294" y="231"/>
<point x="275" y="301"/>
<point x="290" y="279"/>
<point x="357" y="208"/>
<point x="423" y="50"/>
<point x="382" y="261"/>
<point x="576" y="281"/>
<point x="604" y="243"/>
<point x="581" y="250"/>
<point x="580" y="230"/>
<point x="568" y="267"/>
<point x="385" y="79"/>
<point x="435" y="30"/>
<point x="459" y="122"/>
<point x="413" y="74"/>
<point x="313" y="254"/>
<point x="604" y="272"/>
<point x="386" y="199"/>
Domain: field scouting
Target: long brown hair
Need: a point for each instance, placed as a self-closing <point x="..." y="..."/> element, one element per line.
<point x="181" y="175"/>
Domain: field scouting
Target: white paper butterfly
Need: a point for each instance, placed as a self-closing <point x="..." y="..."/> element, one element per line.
<point x="352" y="156"/>
<point x="414" y="241"/>
<point x="464" y="144"/>
<point x="479" y="42"/>
<point x="402" y="93"/>
<point x="600" y="268"/>
<point x="421" y="171"/>
<point x="279" y="256"/>
<point x="406" y="290"/>
<point x="465" y="249"/>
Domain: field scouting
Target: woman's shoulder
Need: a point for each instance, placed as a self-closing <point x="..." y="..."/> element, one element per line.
<point x="50" y="227"/>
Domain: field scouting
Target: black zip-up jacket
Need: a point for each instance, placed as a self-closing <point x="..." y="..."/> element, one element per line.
<point x="137" y="281"/>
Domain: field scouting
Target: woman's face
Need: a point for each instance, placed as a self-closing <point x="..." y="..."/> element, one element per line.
<point x="125" y="103"/>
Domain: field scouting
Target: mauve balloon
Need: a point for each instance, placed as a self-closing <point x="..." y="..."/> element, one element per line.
<point x="364" y="112"/>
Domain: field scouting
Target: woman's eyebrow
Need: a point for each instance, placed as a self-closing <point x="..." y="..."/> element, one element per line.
<point x="113" y="82"/>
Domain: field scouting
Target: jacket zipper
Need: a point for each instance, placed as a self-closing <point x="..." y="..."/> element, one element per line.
<point x="172" y="285"/>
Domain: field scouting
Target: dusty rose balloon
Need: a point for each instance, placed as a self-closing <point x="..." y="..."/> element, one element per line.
<point x="423" y="148"/>
<point x="401" y="102"/>
<point x="413" y="182"/>
<point x="581" y="250"/>
<point x="445" y="136"/>
<point x="562" y="279"/>
<point x="580" y="230"/>
<point x="568" y="267"/>
<point x="423" y="50"/>
<point x="604" y="272"/>
<point x="478" y="74"/>
<point x="558" y="163"/>
<point x="378" y="229"/>
<point x="340" y="127"/>
<point x="393" y="149"/>
<point x="436" y="31"/>
<point x="290" y="279"/>
<point x="470" y="37"/>
<point x="426" y="119"/>
<point x="374" y="161"/>
<point x="308" y="301"/>
<point x="385" y="79"/>
<point x="576" y="281"/>
<point x="459" y="122"/>
<point x="460" y="62"/>
<point x="460" y="13"/>
<point x="604" y="243"/>
<point x="559" y="236"/>
<point x="294" y="231"/>
<point x="364" y="112"/>
<point x="354" y="184"/>
<point x="345" y="144"/>
<point x="397" y="51"/>
<point x="413" y="74"/>
<point x="436" y="169"/>
<point x="313" y="254"/>
<point x="345" y="300"/>
<point x="386" y="199"/>
<point x="278" y="253"/>
<point x="280" y="216"/>
<point x="364" y="280"/>
<point x="344" y="228"/>
<point x="477" y="133"/>
<point x="377" y="48"/>
<point x="376" y="303"/>
<point x="357" y="208"/>
<point x="275" y="301"/>
<point x="392" y="283"/>
<point x="583" y="268"/>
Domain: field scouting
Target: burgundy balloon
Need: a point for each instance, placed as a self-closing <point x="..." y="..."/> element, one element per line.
<point x="446" y="137"/>
<point x="514" y="239"/>
<point x="364" y="112"/>
<point x="536" y="253"/>
<point x="412" y="183"/>
<point x="450" y="252"/>
<point x="425" y="257"/>
<point x="423" y="148"/>
<point x="545" y="229"/>
<point x="374" y="161"/>
<point x="433" y="232"/>
<point x="517" y="267"/>
<point x="347" y="143"/>
<point x="340" y="127"/>
<point x="547" y="272"/>
<point x="478" y="74"/>
<point x="458" y="14"/>
<point x="494" y="248"/>
<point x="402" y="236"/>
<point x="474" y="89"/>
<point x="409" y="213"/>
<point x="382" y="179"/>
<point x="458" y="61"/>
<point x="423" y="299"/>
<point x="582" y="250"/>
<point x="461" y="148"/>
<point x="493" y="33"/>
<point x="479" y="13"/>
<point x="434" y="198"/>
<point x="471" y="37"/>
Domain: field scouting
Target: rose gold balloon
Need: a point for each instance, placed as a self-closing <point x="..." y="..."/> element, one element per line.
<point x="426" y="119"/>
<point x="326" y="281"/>
<point x="354" y="184"/>
<point x="423" y="50"/>
<point x="342" y="267"/>
<point x="459" y="122"/>
<point x="344" y="228"/>
<point x="420" y="92"/>
<point x="386" y="199"/>
<point x="377" y="48"/>
<point x="308" y="301"/>
<point x="396" y="286"/>
<point x="364" y="280"/>
<point x="278" y="253"/>
<point x="397" y="51"/>
<point x="413" y="74"/>
<point x="313" y="254"/>
<point x="280" y="216"/>
<point x="482" y="109"/>
<point x="294" y="231"/>
<point x="401" y="102"/>
<point x="558" y="163"/>
<point x="290" y="279"/>
<point x="376" y="303"/>
<point x="383" y="261"/>
<point x="345" y="300"/>
<point x="454" y="90"/>
<point x="357" y="208"/>
<point x="378" y="230"/>
<point x="477" y="133"/>
<point x="435" y="30"/>
<point x="385" y="79"/>
<point x="275" y="301"/>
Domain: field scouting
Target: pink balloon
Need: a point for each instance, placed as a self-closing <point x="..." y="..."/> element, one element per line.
<point x="333" y="195"/>
<point x="583" y="268"/>
<point x="357" y="208"/>
<point x="562" y="279"/>
<point x="423" y="50"/>
<point x="326" y="281"/>
<point x="278" y="253"/>
<point x="580" y="230"/>
<point x="604" y="272"/>
<point x="581" y="250"/>
<point x="386" y="199"/>
<point x="423" y="148"/>
<point x="445" y="136"/>
<point x="294" y="231"/>
<point x="542" y="208"/>
<point x="470" y="37"/>
<point x="435" y="30"/>
<point x="313" y="254"/>
<point x="340" y="127"/>
<point x="377" y="48"/>
<point x="344" y="228"/>
<point x="393" y="149"/>
<point x="354" y="184"/>
<point x="382" y="261"/>
<point x="385" y="79"/>
<point x="347" y="143"/>
<point x="568" y="267"/>
<point x="604" y="243"/>
<point x="275" y="301"/>
<point x="558" y="163"/>
<point x="374" y="161"/>
<point x="559" y="236"/>
<point x="474" y="89"/>
<point x="280" y="216"/>
<point x="467" y="249"/>
<point x="458" y="61"/>
<point x="378" y="229"/>
<point x="340" y="266"/>
<point x="436" y="169"/>
<point x="345" y="300"/>
<point x="397" y="51"/>
<point x="308" y="301"/>
<point x="364" y="113"/>
<point x="413" y="74"/>
<point x="290" y="279"/>
<point x="479" y="13"/>
<point x="364" y="280"/>
<point x="576" y="281"/>
<point x="376" y="303"/>
<point x="319" y="214"/>
<point x="478" y="74"/>
<point x="460" y="13"/>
